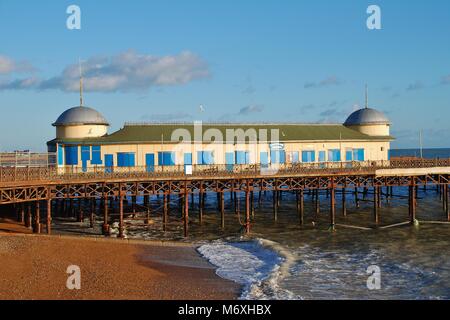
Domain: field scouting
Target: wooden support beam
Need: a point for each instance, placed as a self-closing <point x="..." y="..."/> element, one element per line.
<point x="105" y="228"/>
<point x="80" y="210"/>
<point x="344" y="204"/>
<point x="332" y="206"/>
<point x="121" y="221"/>
<point x="222" y="210"/>
<point x="92" y="213"/>
<point x="412" y="203"/>
<point x="200" y="207"/>
<point x="165" y="209"/>
<point x="247" y="211"/>
<point x="376" y="198"/>
<point x="22" y="213"/>
<point x="49" y="216"/>
<point x="356" y="198"/>
<point x="275" y="205"/>
<point x="37" y="218"/>
<point x="186" y="214"/>
<point x="29" y="217"/>
<point x="448" y="207"/>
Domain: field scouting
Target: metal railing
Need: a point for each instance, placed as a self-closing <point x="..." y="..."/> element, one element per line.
<point x="27" y="159"/>
<point x="59" y="174"/>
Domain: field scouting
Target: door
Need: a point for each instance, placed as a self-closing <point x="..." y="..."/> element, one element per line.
<point x="109" y="163"/>
<point x="264" y="159"/>
<point x="150" y="162"/>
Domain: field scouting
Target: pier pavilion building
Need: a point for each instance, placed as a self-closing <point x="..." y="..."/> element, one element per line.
<point x="83" y="142"/>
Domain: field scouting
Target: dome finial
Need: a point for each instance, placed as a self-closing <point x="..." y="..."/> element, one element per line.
<point x="81" y="83"/>
<point x="367" y="96"/>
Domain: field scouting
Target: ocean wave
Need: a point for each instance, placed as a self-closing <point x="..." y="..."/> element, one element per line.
<point x="259" y="266"/>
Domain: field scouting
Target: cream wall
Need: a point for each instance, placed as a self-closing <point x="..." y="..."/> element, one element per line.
<point x="81" y="131"/>
<point x="372" y="130"/>
<point x="373" y="150"/>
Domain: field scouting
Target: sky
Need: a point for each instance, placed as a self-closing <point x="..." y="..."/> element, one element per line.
<point x="225" y="61"/>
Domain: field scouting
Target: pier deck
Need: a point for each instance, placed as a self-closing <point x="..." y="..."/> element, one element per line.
<point x="26" y="188"/>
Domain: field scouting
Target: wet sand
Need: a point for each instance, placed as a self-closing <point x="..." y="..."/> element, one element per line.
<point x="34" y="267"/>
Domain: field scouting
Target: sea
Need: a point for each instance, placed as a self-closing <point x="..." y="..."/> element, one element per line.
<point x="284" y="260"/>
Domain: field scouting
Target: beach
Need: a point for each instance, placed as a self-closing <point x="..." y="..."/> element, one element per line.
<point x="34" y="267"/>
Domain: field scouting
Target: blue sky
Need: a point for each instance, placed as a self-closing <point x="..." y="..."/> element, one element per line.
<point x="249" y="60"/>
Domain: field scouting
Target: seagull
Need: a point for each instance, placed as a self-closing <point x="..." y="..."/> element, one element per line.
<point x="201" y="108"/>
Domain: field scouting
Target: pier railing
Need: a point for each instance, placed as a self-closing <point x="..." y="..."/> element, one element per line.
<point x="19" y="174"/>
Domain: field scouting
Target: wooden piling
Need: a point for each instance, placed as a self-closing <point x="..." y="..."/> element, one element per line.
<point x="332" y="206"/>
<point x="247" y="211"/>
<point x="37" y="216"/>
<point x="165" y="209"/>
<point x="29" y="217"/>
<point x="275" y="205"/>
<point x="222" y="210"/>
<point x="376" y="199"/>
<point x="412" y="203"/>
<point x="121" y="222"/>
<point x="105" y="228"/>
<point x="49" y="216"/>
<point x="186" y="213"/>
<point x="92" y="213"/>
<point x="344" y="204"/>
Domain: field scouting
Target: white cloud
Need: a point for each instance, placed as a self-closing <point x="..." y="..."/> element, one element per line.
<point x="8" y="65"/>
<point x="128" y="71"/>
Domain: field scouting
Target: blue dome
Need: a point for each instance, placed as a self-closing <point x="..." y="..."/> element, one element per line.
<point x="366" y="116"/>
<point x="80" y="116"/>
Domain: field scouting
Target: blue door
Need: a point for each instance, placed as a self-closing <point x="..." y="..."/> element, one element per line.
<point x="150" y="162"/>
<point x="229" y="161"/>
<point x="109" y="163"/>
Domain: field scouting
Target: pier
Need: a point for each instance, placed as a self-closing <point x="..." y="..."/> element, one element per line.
<point x="36" y="193"/>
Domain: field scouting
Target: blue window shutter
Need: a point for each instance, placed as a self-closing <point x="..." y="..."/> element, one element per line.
<point x="85" y="153"/>
<point x="274" y="156"/>
<point x="264" y="158"/>
<point x="304" y="156"/>
<point x="349" y="155"/>
<point x="60" y="155"/>
<point x="96" y="155"/>
<point x="188" y="158"/>
<point x="282" y="156"/>
<point x="322" y="156"/>
<point x="247" y="157"/>
<point x="200" y="157"/>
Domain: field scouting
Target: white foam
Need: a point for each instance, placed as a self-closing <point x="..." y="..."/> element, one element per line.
<point x="259" y="266"/>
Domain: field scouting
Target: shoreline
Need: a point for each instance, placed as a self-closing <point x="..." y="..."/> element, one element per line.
<point x="34" y="267"/>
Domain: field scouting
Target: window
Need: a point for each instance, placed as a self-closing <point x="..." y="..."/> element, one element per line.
<point x="60" y="155"/>
<point x="295" y="158"/>
<point x="96" y="155"/>
<point x="308" y="156"/>
<point x="205" y="157"/>
<point x="71" y="155"/>
<point x="166" y="158"/>
<point x="264" y="158"/>
<point x="188" y="159"/>
<point x="322" y="155"/>
<point x="242" y="157"/>
<point x="358" y="154"/>
<point x="126" y="159"/>
<point x="334" y="155"/>
<point x="277" y="156"/>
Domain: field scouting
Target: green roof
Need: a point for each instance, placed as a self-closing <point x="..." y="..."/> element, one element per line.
<point x="155" y="133"/>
